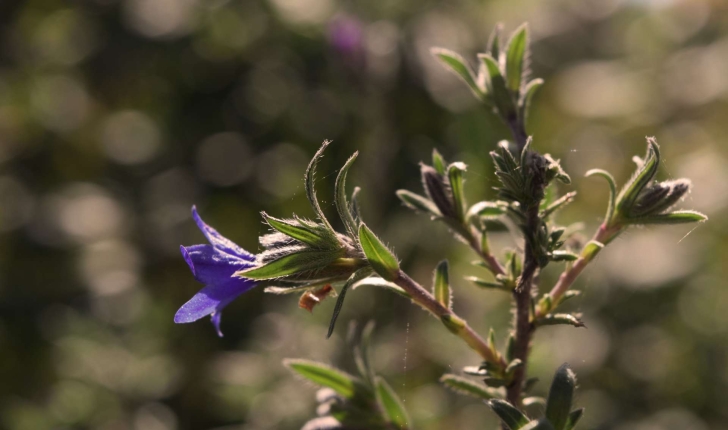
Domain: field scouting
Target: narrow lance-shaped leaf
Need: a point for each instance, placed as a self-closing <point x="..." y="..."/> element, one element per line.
<point x="641" y="178"/>
<point x="391" y="405"/>
<point x="555" y="319"/>
<point x="375" y="281"/>
<point x="508" y="413"/>
<point x="559" y="204"/>
<point x="290" y="264"/>
<point x="441" y="284"/>
<point x="438" y="162"/>
<point x="494" y="41"/>
<point x="487" y="209"/>
<point x="379" y="256"/>
<point x="456" y="64"/>
<point x="342" y="206"/>
<point x="574" y="417"/>
<point x="318" y="239"/>
<point x="324" y="375"/>
<point x="561" y="394"/>
<point x="362" y="352"/>
<point x="677" y="217"/>
<point x="517" y="57"/>
<point x="466" y="386"/>
<point x="563" y="256"/>
<point x="418" y="203"/>
<point x="356" y="276"/>
<point x="497" y="87"/>
<point x="487" y="284"/>
<point x="310" y="184"/>
<point x="455" y="174"/>
<point x="354" y="204"/>
<point x="612" y="191"/>
<point x="529" y="91"/>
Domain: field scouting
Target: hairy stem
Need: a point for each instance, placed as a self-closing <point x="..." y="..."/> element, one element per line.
<point x="524" y="328"/>
<point x="489" y="259"/>
<point x="603" y="235"/>
<point x="455" y="324"/>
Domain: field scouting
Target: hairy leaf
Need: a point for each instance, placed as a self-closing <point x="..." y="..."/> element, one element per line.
<point x="391" y="405"/>
<point x="465" y="386"/>
<point x="561" y="393"/>
<point x="379" y="256"/>
<point x="516" y="58"/>
<point x="511" y="416"/>
<point x="342" y="206"/>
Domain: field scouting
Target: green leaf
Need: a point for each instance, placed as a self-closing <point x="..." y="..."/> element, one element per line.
<point x="418" y="203"/>
<point x="441" y="284"/>
<point x="438" y="162"/>
<point x="538" y="425"/>
<point x="554" y="319"/>
<point x="455" y="174"/>
<point x="644" y="174"/>
<point x="316" y="236"/>
<point x="516" y="57"/>
<point x="677" y="217"/>
<point x="574" y="417"/>
<point x="534" y="400"/>
<point x="513" y="365"/>
<point x="379" y="256"/>
<point x="487" y="284"/>
<point x="491" y="340"/>
<point x="342" y="206"/>
<point x="290" y="264"/>
<point x="362" y="355"/>
<point x="529" y="91"/>
<point x="356" y="276"/>
<point x="558" y="204"/>
<point x="391" y="405"/>
<point x="354" y="204"/>
<point x="494" y="41"/>
<point x="511" y="347"/>
<point x="561" y="394"/>
<point x="467" y="387"/>
<point x="511" y="416"/>
<point x="612" y="190"/>
<point x="487" y="209"/>
<point x="375" y="281"/>
<point x="325" y="376"/>
<point x="494" y="382"/>
<point x="310" y="184"/>
<point x="497" y="87"/>
<point x="563" y="256"/>
<point x="456" y="64"/>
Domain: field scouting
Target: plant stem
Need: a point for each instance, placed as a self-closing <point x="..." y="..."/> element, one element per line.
<point x="489" y="259"/>
<point x="603" y="235"/>
<point x="524" y="328"/>
<point x="454" y="323"/>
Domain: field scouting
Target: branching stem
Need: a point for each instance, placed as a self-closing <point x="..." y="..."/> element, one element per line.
<point x="603" y="235"/>
<point x="455" y="324"/>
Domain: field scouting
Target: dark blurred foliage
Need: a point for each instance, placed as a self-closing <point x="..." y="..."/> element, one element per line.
<point x="116" y="116"/>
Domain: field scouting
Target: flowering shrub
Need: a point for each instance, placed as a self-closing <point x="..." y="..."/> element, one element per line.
<point x="312" y="258"/>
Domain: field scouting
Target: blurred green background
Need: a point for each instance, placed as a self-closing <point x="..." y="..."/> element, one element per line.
<point x="116" y="116"/>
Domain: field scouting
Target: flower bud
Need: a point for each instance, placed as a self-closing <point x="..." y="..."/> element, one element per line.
<point x="438" y="189"/>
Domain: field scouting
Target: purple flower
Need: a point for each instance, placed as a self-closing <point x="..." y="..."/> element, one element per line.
<point x="214" y="265"/>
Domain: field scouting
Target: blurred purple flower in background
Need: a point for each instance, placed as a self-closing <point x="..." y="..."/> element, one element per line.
<point x="214" y="265"/>
<point x="346" y="36"/>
